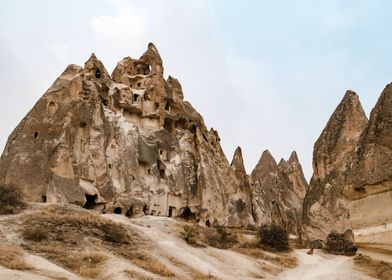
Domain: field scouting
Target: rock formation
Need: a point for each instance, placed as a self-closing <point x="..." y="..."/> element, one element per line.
<point x="293" y="169"/>
<point x="125" y="143"/>
<point x="325" y="208"/>
<point x="274" y="198"/>
<point x="370" y="182"/>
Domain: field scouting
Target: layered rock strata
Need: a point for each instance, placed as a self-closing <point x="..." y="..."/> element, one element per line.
<point x="369" y="187"/>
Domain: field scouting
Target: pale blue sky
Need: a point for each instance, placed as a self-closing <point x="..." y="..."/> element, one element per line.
<point x="265" y="74"/>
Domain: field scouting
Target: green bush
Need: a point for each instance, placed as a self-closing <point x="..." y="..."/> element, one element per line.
<point x="340" y="243"/>
<point x="10" y="200"/>
<point x="274" y="236"/>
<point x="35" y="233"/>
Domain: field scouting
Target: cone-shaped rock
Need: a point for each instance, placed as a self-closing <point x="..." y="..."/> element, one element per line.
<point x="370" y="184"/>
<point x="325" y="208"/>
<point x="128" y="141"/>
<point x="293" y="169"/>
<point x="274" y="200"/>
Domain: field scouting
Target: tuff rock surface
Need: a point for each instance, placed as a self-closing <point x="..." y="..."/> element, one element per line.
<point x="325" y="208"/>
<point x="274" y="197"/>
<point x="369" y="186"/>
<point x="126" y="143"/>
<point x="293" y="169"/>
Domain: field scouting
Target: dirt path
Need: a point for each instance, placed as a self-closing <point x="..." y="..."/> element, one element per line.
<point x="223" y="264"/>
<point x="321" y="266"/>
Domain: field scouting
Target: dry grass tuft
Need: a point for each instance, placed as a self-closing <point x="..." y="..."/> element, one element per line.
<point x="136" y="276"/>
<point x="378" y="269"/>
<point x="280" y="259"/>
<point x="150" y="264"/>
<point x="59" y="234"/>
<point x="219" y="236"/>
<point x="197" y="275"/>
<point x="12" y="257"/>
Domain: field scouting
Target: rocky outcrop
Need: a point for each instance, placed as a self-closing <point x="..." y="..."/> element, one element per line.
<point x="370" y="183"/>
<point x="293" y="169"/>
<point x="274" y="198"/>
<point x="325" y="208"/>
<point x="125" y="143"/>
<point x="237" y="164"/>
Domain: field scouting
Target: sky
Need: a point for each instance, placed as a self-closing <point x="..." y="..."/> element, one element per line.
<point x="265" y="74"/>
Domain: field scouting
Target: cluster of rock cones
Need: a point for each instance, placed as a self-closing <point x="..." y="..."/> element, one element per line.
<point x="128" y="143"/>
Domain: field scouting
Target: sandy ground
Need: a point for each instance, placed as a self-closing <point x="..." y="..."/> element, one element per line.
<point x="320" y="266"/>
<point x="224" y="264"/>
<point x="168" y="247"/>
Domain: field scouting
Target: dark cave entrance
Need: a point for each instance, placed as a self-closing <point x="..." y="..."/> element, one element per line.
<point x="91" y="200"/>
<point x="188" y="214"/>
<point x="117" y="210"/>
<point x="97" y="74"/>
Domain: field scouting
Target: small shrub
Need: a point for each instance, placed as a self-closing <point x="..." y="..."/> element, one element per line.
<point x="193" y="235"/>
<point x="114" y="233"/>
<point x="274" y="236"/>
<point x="316" y="244"/>
<point x="10" y="200"/>
<point x="35" y="233"/>
<point x="340" y="243"/>
<point x="221" y="237"/>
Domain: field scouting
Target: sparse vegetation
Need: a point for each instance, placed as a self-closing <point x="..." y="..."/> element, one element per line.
<point x="89" y="264"/>
<point x="12" y="257"/>
<point x="193" y="235"/>
<point x="114" y="233"/>
<point x="274" y="237"/>
<point x="340" y="243"/>
<point x="378" y="269"/>
<point x="148" y="263"/>
<point x="219" y="236"/>
<point x="59" y="232"/>
<point x="11" y="200"/>
<point x="35" y="232"/>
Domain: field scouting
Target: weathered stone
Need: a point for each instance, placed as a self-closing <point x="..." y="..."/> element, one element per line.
<point x="369" y="186"/>
<point x="274" y="199"/>
<point x="325" y="208"/>
<point x="127" y="141"/>
<point x="293" y="169"/>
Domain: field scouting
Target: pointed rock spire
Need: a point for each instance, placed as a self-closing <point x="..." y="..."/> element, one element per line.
<point x="266" y="163"/>
<point x="238" y="162"/>
<point x="332" y="157"/>
<point x="375" y="144"/>
<point x="293" y="169"/>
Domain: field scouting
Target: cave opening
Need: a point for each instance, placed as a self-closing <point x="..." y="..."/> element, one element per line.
<point x="97" y="74"/>
<point x="188" y="214"/>
<point x="90" y="201"/>
<point x="117" y="210"/>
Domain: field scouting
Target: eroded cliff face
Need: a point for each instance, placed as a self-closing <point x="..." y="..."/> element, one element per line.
<point x="325" y="208"/>
<point x="126" y="143"/>
<point x="369" y="186"/>
<point x="293" y="169"/>
<point x="274" y="198"/>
